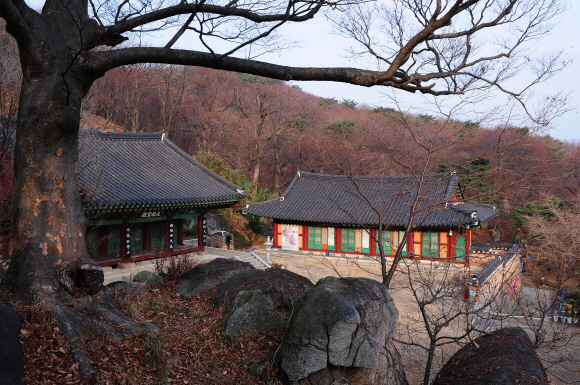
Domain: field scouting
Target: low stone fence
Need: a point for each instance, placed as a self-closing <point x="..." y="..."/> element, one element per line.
<point x="502" y="273"/>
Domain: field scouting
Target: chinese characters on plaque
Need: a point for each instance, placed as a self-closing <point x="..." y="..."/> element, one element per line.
<point x="127" y="242"/>
<point x="170" y="236"/>
<point x="204" y="231"/>
<point x="150" y="214"/>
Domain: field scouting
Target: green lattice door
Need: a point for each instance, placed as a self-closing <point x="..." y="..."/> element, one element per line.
<point x="460" y="249"/>
<point x="114" y="239"/>
<point x="137" y="236"/>
<point x="158" y="234"/>
<point x="387" y="242"/>
<point x="431" y="244"/>
<point x="348" y="240"/>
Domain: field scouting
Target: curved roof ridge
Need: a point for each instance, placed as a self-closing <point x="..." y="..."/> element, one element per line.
<point x="111" y="135"/>
<point x="342" y="177"/>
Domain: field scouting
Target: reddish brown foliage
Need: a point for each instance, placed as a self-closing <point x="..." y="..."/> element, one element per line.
<point x="190" y="348"/>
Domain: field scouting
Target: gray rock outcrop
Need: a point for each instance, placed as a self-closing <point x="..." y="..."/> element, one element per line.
<point x="346" y="323"/>
<point x="148" y="278"/>
<point x="251" y="311"/>
<point x="11" y="353"/>
<point x="260" y="300"/>
<point x="505" y="356"/>
<point x="130" y="287"/>
<point x="283" y="287"/>
<point x="389" y="372"/>
<point x="208" y="276"/>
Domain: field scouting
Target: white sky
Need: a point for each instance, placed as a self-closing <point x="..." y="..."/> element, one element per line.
<point x="322" y="49"/>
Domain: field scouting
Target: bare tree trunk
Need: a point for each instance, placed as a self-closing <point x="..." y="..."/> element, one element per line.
<point x="50" y="262"/>
<point x="257" y="166"/>
<point x="277" y="170"/>
<point x="44" y="176"/>
<point x="429" y="363"/>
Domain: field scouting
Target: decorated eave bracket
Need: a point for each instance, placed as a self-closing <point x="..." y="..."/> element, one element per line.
<point x="155" y="207"/>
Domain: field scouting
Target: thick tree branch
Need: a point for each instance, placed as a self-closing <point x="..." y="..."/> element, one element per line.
<point x="184" y="9"/>
<point x="14" y="12"/>
<point x="104" y="61"/>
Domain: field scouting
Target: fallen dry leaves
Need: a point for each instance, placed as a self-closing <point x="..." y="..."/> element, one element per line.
<point x="191" y="347"/>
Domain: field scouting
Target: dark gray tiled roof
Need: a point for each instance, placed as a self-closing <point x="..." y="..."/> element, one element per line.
<point x="337" y="199"/>
<point x="145" y="169"/>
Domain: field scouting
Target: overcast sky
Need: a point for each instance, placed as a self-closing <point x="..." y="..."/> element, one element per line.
<point x="319" y="47"/>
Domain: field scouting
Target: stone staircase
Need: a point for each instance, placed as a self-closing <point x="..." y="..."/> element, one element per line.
<point x="244" y="256"/>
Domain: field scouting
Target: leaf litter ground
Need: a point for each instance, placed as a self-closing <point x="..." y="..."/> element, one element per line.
<point x="190" y="348"/>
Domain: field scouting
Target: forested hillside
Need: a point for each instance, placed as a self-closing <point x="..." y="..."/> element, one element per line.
<point x="267" y="130"/>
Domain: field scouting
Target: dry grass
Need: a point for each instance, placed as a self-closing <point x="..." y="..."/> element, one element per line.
<point x="172" y="268"/>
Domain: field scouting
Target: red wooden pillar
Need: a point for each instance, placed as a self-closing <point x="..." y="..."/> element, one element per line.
<point x="200" y="233"/>
<point x="180" y="231"/>
<point x="167" y="251"/>
<point x="305" y="238"/>
<point x="124" y="240"/>
<point x="452" y="247"/>
<point x="467" y="246"/>
<point x="146" y="235"/>
<point x="103" y="240"/>
<point x="373" y="242"/>
<point x="337" y="245"/>
<point x="276" y="244"/>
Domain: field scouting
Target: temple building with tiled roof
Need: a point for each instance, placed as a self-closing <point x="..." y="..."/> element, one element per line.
<point x="339" y="215"/>
<point x="137" y="190"/>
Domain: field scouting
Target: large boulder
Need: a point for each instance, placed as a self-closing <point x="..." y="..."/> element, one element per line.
<point x="505" y="356"/>
<point x="251" y="311"/>
<point x="260" y="300"/>
<point x="148" y="278"/>
<point x="208" y="276"/>
<point x="389" y="372"/>
<point x="347" y="323"/>
<point x="11" y="353"/>
<point x="129" y="287"/>
<point x="283" y="287"/>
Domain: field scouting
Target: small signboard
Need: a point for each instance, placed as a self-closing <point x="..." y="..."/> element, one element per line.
<point x="127" y="242"/>
<point x="204" y="232"/>
<point x="150" y="214"/>
<point x="170" y="236"/>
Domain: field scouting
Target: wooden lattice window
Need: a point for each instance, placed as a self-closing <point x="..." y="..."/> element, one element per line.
<point x="137" y="236"/>
<point x="114" y="239"/>
<point x="431" y="244"/>
<point x="387" y="242"/>
<point x="398" y="237"/>
<point x="460" y="248"/>
<point x="348" y="240"/>
<point x="314" y="238"/>
<point x="158" y="234"/>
